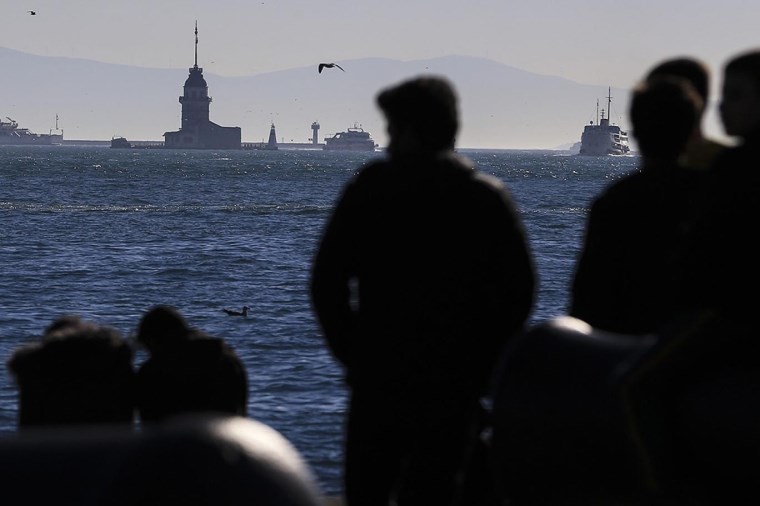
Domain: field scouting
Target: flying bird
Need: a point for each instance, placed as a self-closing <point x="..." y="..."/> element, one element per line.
<point x="329" y="66"/>
<point x="33" y="13"/>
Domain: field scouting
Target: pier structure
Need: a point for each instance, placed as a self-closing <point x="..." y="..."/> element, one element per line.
<point x="197" y="130"/>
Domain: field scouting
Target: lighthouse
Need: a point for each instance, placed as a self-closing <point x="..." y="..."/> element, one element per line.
<point x="315" y="133"/>
<point x="197" y="131"/>
<point x="272" y="143"/>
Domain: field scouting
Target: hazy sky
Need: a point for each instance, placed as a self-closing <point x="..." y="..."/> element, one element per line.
<point x="605" y="42"/>
<point x="591" y="41"/>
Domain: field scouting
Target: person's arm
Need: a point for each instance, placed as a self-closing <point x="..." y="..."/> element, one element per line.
<point x="596" y="279"/>
<point x="331" y="275"/>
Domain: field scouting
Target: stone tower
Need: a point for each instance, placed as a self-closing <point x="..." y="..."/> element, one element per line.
<point x="197" y="131"/>
<point x="195" y="100"/>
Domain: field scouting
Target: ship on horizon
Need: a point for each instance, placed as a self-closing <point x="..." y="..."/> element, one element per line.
<point x="12" y="135"/>
<point x="353" y="139"/>
<point x="602" y="138"/>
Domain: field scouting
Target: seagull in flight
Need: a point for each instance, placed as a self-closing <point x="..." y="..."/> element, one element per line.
<point x="329" y="66"/>
<point x="33" y="13"/>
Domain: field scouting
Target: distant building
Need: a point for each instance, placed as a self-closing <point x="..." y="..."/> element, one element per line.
<point x="197" y="131"/>
<point x="272" y="143"/>
<point x="315" y="133"/>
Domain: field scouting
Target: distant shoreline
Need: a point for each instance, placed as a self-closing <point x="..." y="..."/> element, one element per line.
<point x="295" y="146"/>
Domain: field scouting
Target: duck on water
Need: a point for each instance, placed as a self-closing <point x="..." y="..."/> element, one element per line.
<point x="233" y="312"/>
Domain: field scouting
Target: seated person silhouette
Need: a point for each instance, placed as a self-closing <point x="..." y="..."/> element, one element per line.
<point x="77" y="373"/>
<point x="187" y="371"/>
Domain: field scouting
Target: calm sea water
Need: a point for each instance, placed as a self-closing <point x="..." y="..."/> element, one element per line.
<point x="106" y="234"/>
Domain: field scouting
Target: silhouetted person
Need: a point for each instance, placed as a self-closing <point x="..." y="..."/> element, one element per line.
<point x="730" y="262"/>
<point x="77" y="373"/>
<point x="700" y="151"/>
<point x="187" y="371"/>
<point x="717" y="363"/>
<point x="422" y="274"/>
<point x="693" y="397"/>
<point x="629" y="274"/>
<point x="162" y="328"/>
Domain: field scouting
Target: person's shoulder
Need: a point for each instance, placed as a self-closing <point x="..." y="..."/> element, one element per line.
<point x="488" y="181"/>
<point x="702" y="156"/>
<point x="370" y="173"/>
<point x="466" y="168"/>
<point x="373" y="167"/>
<point x="733" y="159"/>
<point x="621" y="191"/>
<point x="628" y="181"/>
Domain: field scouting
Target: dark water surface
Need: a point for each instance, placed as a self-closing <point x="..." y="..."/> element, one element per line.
<point x="106" y="234"/>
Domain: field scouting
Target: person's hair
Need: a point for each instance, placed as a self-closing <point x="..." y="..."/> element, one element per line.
<point x="428" y="105"/>
<point x="162" y="325"/>
<point x="747" y="64"/>
<point x="62" y="323"/>
<point x="685" y="67"/>
<point x="77" y="373"/>
<point x="664" y="113"/>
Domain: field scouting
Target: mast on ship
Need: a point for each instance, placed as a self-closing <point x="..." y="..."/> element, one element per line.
<point x="57" y="130"/>
<point x="597" y="111"/>
<point x="609" y="101"/>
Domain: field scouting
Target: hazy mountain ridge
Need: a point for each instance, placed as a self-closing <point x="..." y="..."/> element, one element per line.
<point x="501" y="106"/>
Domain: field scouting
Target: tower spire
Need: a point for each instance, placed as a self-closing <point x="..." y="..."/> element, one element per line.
<point x="196" y="43"/>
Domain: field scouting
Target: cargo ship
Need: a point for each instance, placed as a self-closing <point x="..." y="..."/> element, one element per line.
<point x="12" y="135"/>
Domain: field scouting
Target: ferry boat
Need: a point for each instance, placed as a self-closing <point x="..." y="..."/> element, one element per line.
<point x="12" y="135"/>
<point x="123" y="143"/>
<point x="354" y="139"/>
<point x="56" y="134"/>
<point x="120" y="143"/>
<point x="602" y="138"/>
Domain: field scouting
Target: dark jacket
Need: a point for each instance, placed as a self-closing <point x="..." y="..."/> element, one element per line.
<point x="630" y="274"/>
<point x="443" y="272"/>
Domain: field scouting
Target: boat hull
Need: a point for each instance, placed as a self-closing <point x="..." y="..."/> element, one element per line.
<point x="12" y="135"/>
<point x="30" y="140"/>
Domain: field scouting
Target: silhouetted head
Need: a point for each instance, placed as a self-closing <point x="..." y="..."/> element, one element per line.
<point x="198" y="375"/>
<point x="77" y="373"/>
<point x="665" y="114"/>
<point x="424" y="108"/>
<point x="63" y="323"/>
<point x="160" y="327"/>
<point x="685" y="67"/>
<point x="746" y="63"/>
<point x="740" y="101"/>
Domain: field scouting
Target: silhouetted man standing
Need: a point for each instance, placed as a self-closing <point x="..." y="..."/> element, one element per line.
<point x="422" y="274"/>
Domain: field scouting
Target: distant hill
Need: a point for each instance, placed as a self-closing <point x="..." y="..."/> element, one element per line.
<point x="501" y="106"/>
